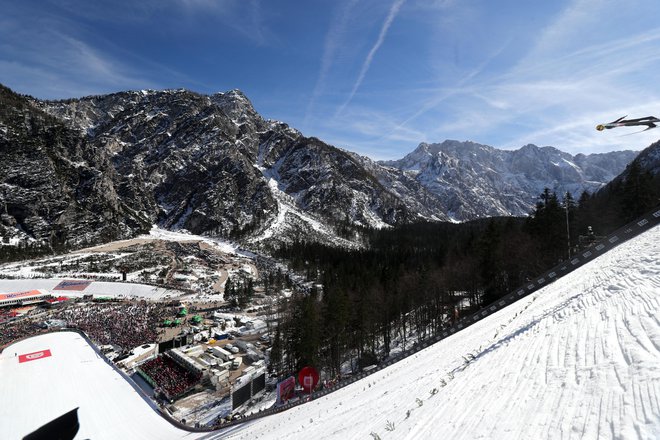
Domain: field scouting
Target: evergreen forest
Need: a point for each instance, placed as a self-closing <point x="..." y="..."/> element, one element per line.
<point x="417" y="279"/>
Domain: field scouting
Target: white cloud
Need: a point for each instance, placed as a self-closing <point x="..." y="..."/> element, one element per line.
<point x="434" y="4"/>
<point x="57" y="65"/>
<point x="570" y="26"/>
<point x="564" y="86"/>
<point x="444" y="93"/>
<point x="243" y="16"/>
<point x="360" y="128"/>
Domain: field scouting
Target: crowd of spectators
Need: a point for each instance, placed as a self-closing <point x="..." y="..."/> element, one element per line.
<point x="6" y="315"/>
<point x="169" y="376"/>
<point x="124" y="325"/>
<point x="14" y="331"/>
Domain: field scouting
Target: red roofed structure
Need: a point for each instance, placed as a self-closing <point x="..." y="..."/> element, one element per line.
<point x="22" y="298"/>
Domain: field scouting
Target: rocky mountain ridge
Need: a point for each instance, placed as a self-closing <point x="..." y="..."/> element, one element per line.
<point x="476" y="180"/>
<point x="55" y="186"/>
<point x="94" y="169"/>
<point x="207" y="164"/>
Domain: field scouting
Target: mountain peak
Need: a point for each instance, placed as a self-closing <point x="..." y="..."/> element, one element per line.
<point x="477" y="180"/>
<point x="234" y="103"/>
<point x="213" y="165"/>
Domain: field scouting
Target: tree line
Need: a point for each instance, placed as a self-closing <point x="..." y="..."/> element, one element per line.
<point x="417" y="279"/>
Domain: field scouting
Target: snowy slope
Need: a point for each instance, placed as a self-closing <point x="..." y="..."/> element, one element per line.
<point x="290" y="217"/>
<point x="577" y="359"/>
<point x="73" y="376"/>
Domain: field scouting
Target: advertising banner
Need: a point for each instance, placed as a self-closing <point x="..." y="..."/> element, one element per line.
<point x="78" y="285"/>
<point x="308" y="378"/>
<point x="33" y="356"/>
<point x="285" y="390"/>
<point x="19" y="295"/>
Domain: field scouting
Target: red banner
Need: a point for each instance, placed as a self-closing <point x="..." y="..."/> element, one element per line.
<point x="285" y="390"/>
<point x="33" y="356"/>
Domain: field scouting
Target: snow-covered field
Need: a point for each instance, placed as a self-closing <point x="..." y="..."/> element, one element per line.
<point x="578" y="359"/>
<point x="96" y="288"/>
<point x="72" y="377"/>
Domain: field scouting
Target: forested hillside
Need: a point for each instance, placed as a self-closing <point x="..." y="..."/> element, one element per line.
<point x="416" y="279"/>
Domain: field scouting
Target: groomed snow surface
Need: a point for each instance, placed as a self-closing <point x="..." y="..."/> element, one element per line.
<point x="95" y="288"/>
<point x="35" y="392"/>
<point x="576" y="360"/>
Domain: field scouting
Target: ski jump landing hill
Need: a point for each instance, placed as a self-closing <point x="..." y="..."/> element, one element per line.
<point x="578" y="358"/>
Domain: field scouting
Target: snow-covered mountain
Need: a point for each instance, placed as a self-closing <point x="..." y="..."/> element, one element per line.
<point x="208" y="164"/>
<point x="90" y="170"/>
<point x="475" y="180"/>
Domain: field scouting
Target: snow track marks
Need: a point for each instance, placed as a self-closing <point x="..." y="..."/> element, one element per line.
<point x="579" y="359"/>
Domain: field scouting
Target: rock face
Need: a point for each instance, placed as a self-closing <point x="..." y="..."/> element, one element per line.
<point x="180" y="158"/>
<point x="649" y="159"/>
<point x="56" y="187"/>
<point x="207" y="164"/>
<point x="99" y="168"/>
<point x="475" y="180"/>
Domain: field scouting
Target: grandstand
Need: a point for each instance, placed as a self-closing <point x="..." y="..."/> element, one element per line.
<point x="168" y="376"/>
<point x="80" y="288"/>
<point x="17" y="299"/>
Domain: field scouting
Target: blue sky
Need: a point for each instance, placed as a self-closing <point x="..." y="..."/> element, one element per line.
<point x="372" y="76"/>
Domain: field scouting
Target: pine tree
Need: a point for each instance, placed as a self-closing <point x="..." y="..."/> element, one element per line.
<point x="246" y="293"/>
<point x="336" y="318"/>
<point x="492" y="277"/>
<point x="230" y="293"/>
<point x="638" y="194"/>
<point x="570" y="207"/>
<point x="547" y="225"/>
<point x="304" y="331"/>
<point x="276" y="354"/>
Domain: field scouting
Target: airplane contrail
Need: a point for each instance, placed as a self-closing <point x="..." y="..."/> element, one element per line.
<point x="394" y="10"/>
